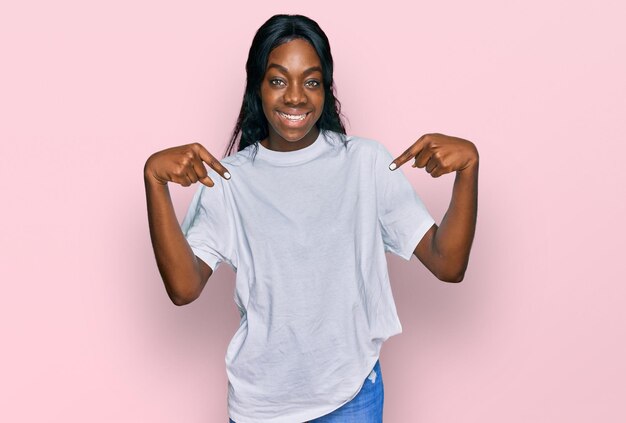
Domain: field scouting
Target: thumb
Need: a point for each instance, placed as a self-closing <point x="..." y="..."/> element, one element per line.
<point x="206" y="181"/>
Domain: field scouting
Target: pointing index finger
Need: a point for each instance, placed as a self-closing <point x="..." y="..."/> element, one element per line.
<point x="408" y="154"/>
<point x="215" y="164"/>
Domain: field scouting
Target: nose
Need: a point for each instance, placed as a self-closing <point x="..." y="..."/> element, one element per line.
<point x="295" y="95"/>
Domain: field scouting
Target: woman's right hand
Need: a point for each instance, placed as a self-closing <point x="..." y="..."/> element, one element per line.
<point x="183" y="165"/>
<point x="183" y="273"/>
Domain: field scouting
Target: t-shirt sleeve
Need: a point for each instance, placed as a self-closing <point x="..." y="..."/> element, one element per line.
<point x="403" y="216"/>
<point x="208" y="226"/>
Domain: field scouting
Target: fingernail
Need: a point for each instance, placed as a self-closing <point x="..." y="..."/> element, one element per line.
<point x="392" y="166"/>
<point x="227" y="175"/>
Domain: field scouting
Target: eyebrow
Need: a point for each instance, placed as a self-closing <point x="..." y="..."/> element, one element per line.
<point x="285" y="70"/>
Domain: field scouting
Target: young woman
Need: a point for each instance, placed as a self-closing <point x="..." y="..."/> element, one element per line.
<point x="304" y="215"/>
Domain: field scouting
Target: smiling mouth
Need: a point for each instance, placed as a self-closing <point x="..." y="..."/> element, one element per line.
<point x="293" y="118"/>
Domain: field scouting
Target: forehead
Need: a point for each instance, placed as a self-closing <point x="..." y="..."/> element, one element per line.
<point x="295" y="55"/>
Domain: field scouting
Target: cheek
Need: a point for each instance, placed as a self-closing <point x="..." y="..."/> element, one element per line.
<point x="264" y="95"/>
<point x="266" y="104"/>
<point x="320" y="104"/>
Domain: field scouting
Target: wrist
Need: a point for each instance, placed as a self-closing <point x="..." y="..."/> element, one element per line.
<point x="150" y="177"/>
<point x="153" y="181"/>
<point x="471" y="167"/>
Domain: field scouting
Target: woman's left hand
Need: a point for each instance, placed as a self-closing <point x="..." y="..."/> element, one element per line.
<point x="439" y="154"/>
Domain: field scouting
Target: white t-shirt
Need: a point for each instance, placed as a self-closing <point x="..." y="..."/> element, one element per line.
<point x="306" y="232"/>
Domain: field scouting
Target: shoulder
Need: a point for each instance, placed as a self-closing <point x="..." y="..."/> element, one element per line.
<point x="239" y="158"/>
<point x="354" y="143"/>
<point x="366" y="146"/>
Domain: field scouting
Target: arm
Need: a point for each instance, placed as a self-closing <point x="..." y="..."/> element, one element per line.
<point x="445" y="250"/>
<point x="183" y="273"/>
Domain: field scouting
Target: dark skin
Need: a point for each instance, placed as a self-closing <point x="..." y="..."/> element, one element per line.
<point x="445" y="249"/>
<point x="292" y="85"/>
<point x="183" y="274"/>
<point x="292" y="95"/>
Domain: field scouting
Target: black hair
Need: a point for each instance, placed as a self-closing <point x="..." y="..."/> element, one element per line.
<point x="252" y="126"/>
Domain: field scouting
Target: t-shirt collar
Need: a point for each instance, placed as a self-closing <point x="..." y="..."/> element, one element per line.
<point x="292" y="157"/>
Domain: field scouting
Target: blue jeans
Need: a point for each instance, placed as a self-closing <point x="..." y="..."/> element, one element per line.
<point x="366" y="407"/>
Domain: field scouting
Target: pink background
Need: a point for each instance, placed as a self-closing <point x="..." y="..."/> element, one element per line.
<point x="535" y="333"/>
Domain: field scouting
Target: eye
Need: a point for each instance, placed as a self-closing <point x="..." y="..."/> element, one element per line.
<point x="277" y="82"/>
<point x="312" y="83"/>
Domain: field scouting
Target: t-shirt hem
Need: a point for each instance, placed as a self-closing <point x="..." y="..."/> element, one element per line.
<point x="211" y="261"/>
<point x="309" y="415"/>
<point x="416" y="238"/>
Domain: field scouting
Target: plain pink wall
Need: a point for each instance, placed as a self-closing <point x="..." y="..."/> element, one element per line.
<point x="88" y="90"/>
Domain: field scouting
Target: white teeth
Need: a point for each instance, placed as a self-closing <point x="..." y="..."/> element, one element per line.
<point x="292" y="117"/>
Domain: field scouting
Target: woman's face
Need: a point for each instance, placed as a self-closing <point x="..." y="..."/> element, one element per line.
<point x="292" y="94"/>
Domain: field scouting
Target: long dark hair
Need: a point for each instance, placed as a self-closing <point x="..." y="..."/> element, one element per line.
<point x="252" y="126"/>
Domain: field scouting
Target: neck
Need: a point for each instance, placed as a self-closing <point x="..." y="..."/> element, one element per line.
<point x="277" y="143"/>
